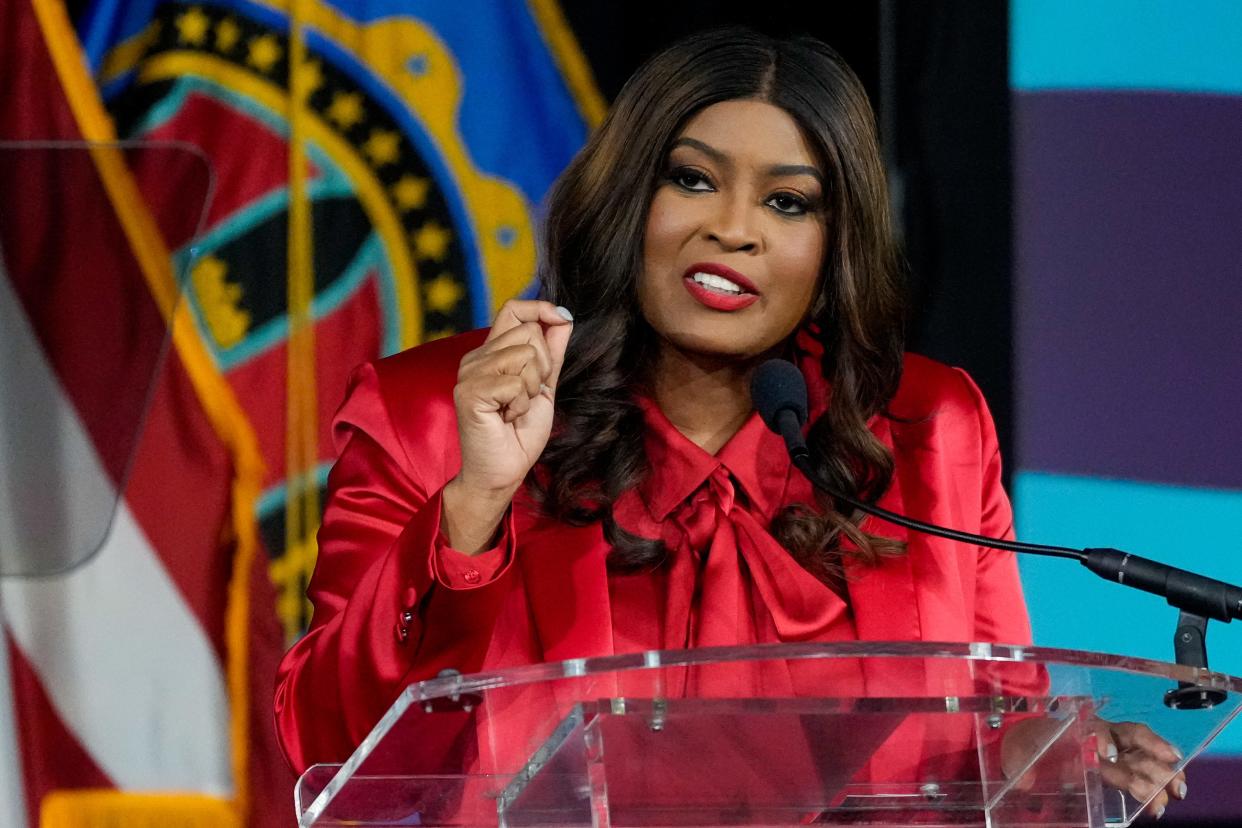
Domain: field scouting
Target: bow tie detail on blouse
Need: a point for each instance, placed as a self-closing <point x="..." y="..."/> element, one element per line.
<point x="725" y="581"/>
<point x="730" y="582"/>
<point x="693" y="525"/>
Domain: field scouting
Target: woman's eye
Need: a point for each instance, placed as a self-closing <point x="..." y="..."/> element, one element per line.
<point x="690" y="180"/>
<point x="789" y="203"/>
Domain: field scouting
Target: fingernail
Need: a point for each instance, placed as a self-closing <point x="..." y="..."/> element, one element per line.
<point x="1110" y="752"/>
<point x="1180" y="756"/>
<point x="545" y="389"/>
<point x="564" y="312"/>
<point x="1181" y="790"/>
<point x="1160" y="813"/>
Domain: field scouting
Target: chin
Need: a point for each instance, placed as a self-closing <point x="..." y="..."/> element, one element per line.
<point x="716" y="345"/>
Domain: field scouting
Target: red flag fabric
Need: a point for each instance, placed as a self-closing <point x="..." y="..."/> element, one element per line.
<point x="147" y="668"/>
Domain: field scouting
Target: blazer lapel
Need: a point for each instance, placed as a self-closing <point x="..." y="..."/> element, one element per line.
<point x="886" y="608"/>
<point x="883" y="597"/>
<point x="566" y="583"/>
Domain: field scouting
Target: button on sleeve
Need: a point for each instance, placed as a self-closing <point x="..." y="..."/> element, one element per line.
<point x="457" y="570"/>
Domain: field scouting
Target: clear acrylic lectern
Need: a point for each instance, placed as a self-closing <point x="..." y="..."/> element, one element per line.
<point x="87" y="295"/>
<point x="854" y="733"/>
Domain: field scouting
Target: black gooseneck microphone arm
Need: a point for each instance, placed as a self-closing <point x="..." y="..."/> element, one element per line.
<point x="779" y="395"/>
<point x="791" y="430"/>
<point x="1182" y="589"/>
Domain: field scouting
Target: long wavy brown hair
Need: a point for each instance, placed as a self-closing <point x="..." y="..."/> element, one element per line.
<point x="592" y="258"/>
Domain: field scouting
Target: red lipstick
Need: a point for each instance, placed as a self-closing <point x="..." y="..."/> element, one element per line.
<point x="715" y="298"/>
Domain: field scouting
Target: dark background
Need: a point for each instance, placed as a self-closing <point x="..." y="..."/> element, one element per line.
<point x="938" y="77"/>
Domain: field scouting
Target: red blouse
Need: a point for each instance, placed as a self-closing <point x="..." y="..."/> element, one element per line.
<point x="393" y="604"/>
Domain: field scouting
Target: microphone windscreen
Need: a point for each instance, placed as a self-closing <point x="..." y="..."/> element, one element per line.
<point x="778" y="386"/>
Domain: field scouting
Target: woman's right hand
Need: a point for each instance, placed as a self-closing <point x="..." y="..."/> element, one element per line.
<point x="504" y="399"/>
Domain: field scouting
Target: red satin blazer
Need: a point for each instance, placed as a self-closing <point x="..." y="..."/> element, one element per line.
<point x="394" y="605"/>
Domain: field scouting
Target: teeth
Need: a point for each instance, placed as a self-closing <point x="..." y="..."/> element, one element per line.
<point x="720" y="283"/>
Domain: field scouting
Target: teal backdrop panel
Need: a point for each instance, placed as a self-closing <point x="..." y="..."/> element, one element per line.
<point x="1165" y="45"/>
<point x="1196" y="529"/>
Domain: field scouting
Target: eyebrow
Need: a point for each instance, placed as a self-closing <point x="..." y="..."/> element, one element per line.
<point x="775" y="170"/>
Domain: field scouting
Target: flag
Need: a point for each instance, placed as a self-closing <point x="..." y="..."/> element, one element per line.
<point x="129" y="671"/>
<point x="376" y="173"/>
<point x="422" y="138"/>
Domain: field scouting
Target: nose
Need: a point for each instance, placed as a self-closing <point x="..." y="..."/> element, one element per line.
<point x="734" y="225"/>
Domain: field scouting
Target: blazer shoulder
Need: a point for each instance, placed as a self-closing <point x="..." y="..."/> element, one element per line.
<point x="415" y="405"/>
<point x="426" y="374"/>
<point x="931" y="390"/>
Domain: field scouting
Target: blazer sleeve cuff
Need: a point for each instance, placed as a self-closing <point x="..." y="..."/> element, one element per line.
<point x="453" y="569"/>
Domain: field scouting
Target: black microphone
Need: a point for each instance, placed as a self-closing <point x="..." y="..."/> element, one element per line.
<point x="778" y="393"/>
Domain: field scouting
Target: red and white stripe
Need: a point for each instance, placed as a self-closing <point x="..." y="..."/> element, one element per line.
<point x="120" y="655"/>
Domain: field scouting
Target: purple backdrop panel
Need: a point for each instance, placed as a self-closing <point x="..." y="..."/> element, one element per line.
<point x="1129" y="285"/>
<point x="1214" y="794"/>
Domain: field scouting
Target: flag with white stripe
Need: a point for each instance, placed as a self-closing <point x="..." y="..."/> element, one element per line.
<point x="132" y="671"/>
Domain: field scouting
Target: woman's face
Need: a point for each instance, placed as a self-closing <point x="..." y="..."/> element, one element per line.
<point x="736" y="233"/>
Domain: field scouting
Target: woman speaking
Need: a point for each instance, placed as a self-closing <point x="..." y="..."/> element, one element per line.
<point x="588" y="476"/>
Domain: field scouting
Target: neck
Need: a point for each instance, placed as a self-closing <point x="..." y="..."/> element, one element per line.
<point x="706" y="398"/>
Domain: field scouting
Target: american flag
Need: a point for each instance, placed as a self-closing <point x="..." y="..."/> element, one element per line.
<point x="132" y="671"/>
